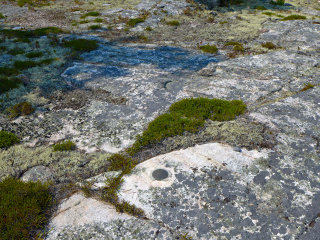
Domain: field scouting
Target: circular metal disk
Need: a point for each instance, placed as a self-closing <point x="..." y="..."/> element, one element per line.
<point x="160" y="174"/>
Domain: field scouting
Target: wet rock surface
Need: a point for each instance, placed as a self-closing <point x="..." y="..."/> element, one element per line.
<point x="252" y="178"/>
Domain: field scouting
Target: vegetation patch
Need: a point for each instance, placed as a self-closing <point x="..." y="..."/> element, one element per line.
<point x="268" y="13"/>
<point x="236" y="46"/>
<point x="209" y="48"/>
<point x="268" y="45"/>
<point x="15" y="51"/>
<point x="64" y="146"/>
<point x="82" y="44"/>
<point x="6" y="84"/>
<point x="121" y="162"/>
<point x="34" y="54"/>
<point x="293" y="17"/>
<point x="94" y="27"/>
<point x="93" y="14"/>
<point x="134" y="21"/>
<point x="187" y="115"/>
<point x="2" y="16"/>
<point x="148" y="28"/>
<point x="260" y="8"/>
<point x="22" y="206"/>
<point x="110" y="194"/>
<point x="278" y="2"/>
<point x="307" y="86"/>
<point x="84" y="21"/>
<point x="98" y="20"/>
<point x="20" y="109"/>
<point x="22" y="65"/>
<point x="7" y="139"/>
<point x="9" y="33"/>
<point x="174" y="23"/>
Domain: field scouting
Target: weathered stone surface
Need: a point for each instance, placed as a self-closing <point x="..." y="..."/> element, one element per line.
<point x="40" y="173"/>
<point x="105" y="99"/>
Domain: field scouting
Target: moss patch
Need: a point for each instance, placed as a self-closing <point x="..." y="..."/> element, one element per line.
<point x="6" y="84"/>
<point x="187" y="115"/>
<point x="64" y="146"/>
<point x="7" y="139"/>
<point x="21" y="207"/>
<point x="209" y="49"/>
<point x="20" y="109"/>
<point x="81" y="44"/>
<point x="294" y="17"/>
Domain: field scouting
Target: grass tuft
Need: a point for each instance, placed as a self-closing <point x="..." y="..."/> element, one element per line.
<point x="7" y="139"/>
<point x="22" y="206"/>
<point x="64" y="146"/>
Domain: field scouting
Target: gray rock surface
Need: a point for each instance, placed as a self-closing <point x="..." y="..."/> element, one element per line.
<point x="260" y="182"/>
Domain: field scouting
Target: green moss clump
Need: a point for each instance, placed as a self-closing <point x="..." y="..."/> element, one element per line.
<point x="278" y="2"/>
<point x="98" y="20"/>
<point x="236" y="46"/>
<point x="7" y="139"/>
<point x="121" y="162"/>
<point x="260" y="8"/>
<point x="30" y="33"/>
<point x="20" y="109"/>
<point x="134" y="21"/>
<point x="22" y="65"/>
<point x="148" y="29"/>
<point x="3" y="48"/>
<point x="209" y="49"/>
<point x="93" y="14"/>
<point x="187" y="115"/>
<point x="64" y="146"/>
<point x="173" y="23"/>
<point x="47" y="31"/>
<point x="15" y="51"/>
<point x="268" y="45"/>
<point x="293" y="17"/>
<point x="205" y="108"/>
<point x="94" y="27"/>
<point x="34" y="54"/>
<point x="268" y="13"/>
<point x="22" y="207"/>
<point x="84" y="21"/>
<point x="6" y="84"/>
<point x="82" y="44"/>
<point x="1" y="16"/>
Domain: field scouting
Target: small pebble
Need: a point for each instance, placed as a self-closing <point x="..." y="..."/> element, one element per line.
<point x="237" y="149"/>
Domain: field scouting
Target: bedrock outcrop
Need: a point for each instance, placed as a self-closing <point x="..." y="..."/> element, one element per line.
<point x="256" y="177"/>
